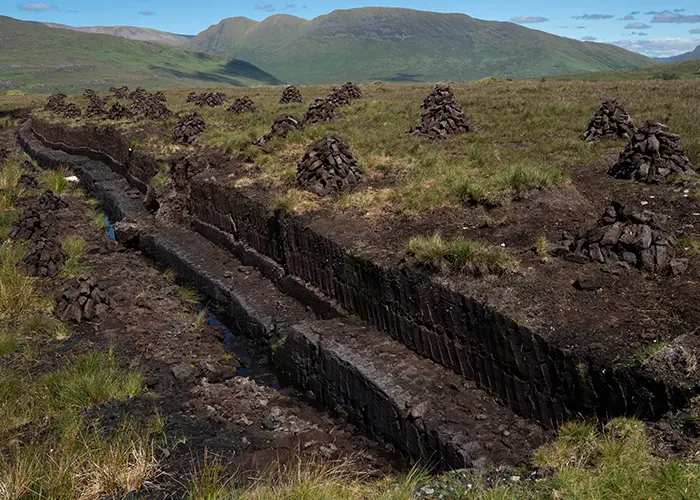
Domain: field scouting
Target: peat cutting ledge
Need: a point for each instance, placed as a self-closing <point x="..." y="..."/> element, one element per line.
<point x="402" y="351"/>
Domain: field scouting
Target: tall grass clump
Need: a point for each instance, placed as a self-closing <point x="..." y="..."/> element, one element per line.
<point x="460" y="255"/>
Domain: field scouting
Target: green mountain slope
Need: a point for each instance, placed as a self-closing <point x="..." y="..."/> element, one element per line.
<point x="130" y="32"/>
<point x="682" y="70"/>
<point x="693" y="54"/>
<point x="404" y="45"/>
<point x="36" y="58"/>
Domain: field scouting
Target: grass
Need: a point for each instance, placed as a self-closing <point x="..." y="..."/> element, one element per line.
<point x="647" y="352"/>
<point x="74" y="265"/>
<point x="188" y="295"/>
<point x="98" y="219"/>
<point x="460" y="255"/>
<point x="8" y="343"/>
<point x="18" y="292"/>
<point x="55" y="180"/>
<point x="93" y="379"/>
<point x="10" y="187"/>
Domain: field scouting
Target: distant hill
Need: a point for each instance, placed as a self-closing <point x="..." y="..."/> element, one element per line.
<point x="39" y="59"/>
<point x="693" y="54"/>
<point x="130" y="32"/>
<point x="682" y="70"/>
<point x="404" y="45"/>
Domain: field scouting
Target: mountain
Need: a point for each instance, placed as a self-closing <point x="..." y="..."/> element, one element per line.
<point x="694" y="54"/>
<point x="681" y="70"/>
<point x="36" y="58"/>
<point x="130" y="32"/>
<point x="404" y="45"/>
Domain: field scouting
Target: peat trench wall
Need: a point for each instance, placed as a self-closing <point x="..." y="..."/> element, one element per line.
<point x="536" y="379"/>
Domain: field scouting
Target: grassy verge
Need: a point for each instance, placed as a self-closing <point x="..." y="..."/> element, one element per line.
<point x="74" y="265"/>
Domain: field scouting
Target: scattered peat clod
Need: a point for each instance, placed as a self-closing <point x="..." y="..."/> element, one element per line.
<point x="610" y="122"/>
<point x="242" y="105"/>
<point x="624" y="238"/>
<point x="651" y="155"/>
<point x="119" y="112"/>
<point x="321" y="110"/>
<point x="121" y="92"/>
<point x="291" y="94"/>
<point x="211" y="99"/>
<point x="28" y="181"/>
<point x="188" y="128"/>
<point x="328" y="166"/>
<point x="351" y="90"/>
<point x="442" y="116"/>
<point x="282" y="125"/>
<point x="82" y="299"/>
<point x="44" y="257"/>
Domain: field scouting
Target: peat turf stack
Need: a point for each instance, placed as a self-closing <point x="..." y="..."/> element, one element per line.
<point x="50" y="201"/>
<point x="328" y="166"/>
<point x="651" y="155"/>
<point x="626" y="238"/>
<point x="95" y="107"/>
<point x="44" y="257"/>
<point x="56" y="103"/>
<point x="610" y="122"/>
<point x="82" y="299"/>
<point x="242" y="105"/>
<point x="339" y="98"/>
<point x="321" y="110"/>
<point x="211" y="99"/>
<point x="89" y="94"/>
<point x="291" y="94"/>
<point x="33" y="225"/>
<point x="191" y="97"/>
<point x="188" y="128"/>
<point x="119" y="112"/>
<point x="282" y="125"/>
<point x="71" y="111"/>
<point x="148" y="105"/>
<point x="442" y="116"/>
<point x="121" y="92"/>
<point x="351" y="90"/>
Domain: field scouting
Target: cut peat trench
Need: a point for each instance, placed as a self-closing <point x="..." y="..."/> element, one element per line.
<point x="422" y="408"/>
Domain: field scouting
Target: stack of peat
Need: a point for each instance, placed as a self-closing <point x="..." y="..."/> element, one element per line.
<point x="149" y="105"/>
<point x="89" y="94"/>
<point x="339" y="98"/>
<point x="352" y="91"/>
<point x="610" y="122"/>
<point x="95" y="107"/>
<point x="328" y="166"/>
<point x="57" y="104"/>
<point x="242" y="105"/>
<point x="120" y="93"/>
<point x="28" y="181"/>
<point x="159" y="96"/>
<point x="119" y="112"/>
<point x="625" y="238"/>
<point x="44" y="257"/>
<point x="291" y="94"/>
<point x="82" y="299"/>
<point x="321" y="110"/>
<point x="211" y="99"/>
<point x="651" y="155"/>
<point x="33" y="225"/>
<point x="282" y="125"/>
<point x="442" y="116"/>
<point x="188" y="128"/>
<point x="191" y="97"/>
<point x="71" y="111"/>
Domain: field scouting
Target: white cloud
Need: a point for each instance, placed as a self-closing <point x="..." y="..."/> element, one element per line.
<point x="659" y="47"/>
<point x="36" y="7"/>
<point x="528" y="19"/>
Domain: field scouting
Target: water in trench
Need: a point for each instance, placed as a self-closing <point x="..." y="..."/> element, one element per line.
<point x="254" y="364"/>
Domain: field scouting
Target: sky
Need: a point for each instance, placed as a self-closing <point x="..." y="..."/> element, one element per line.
<point x="643" y="26"/>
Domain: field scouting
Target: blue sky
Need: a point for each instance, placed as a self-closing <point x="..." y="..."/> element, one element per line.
<point x="645" y="26"/>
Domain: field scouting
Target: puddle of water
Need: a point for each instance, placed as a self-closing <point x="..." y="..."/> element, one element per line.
<point x="253" y="365"/>
<point x="110" y="228"/>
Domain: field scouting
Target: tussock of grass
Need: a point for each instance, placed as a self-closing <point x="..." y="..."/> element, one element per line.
<point x="10" y="187"/>
<point x="76" y="462"/>
<point x="460" y="255"/>
<point x="164" y="279"/>
<point x="93" y="379"/>
<point x="297" y="201"/>
<point x="55" y="180"/>
<point x="18" y="293"/>
<point x="74" y="265"/>
<point x="8" y="343"/>
<point x="98" y="219"/>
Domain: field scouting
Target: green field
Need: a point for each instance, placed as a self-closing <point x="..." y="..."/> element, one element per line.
<point x="38" y="59"/>
<point x="684" y="70"/>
